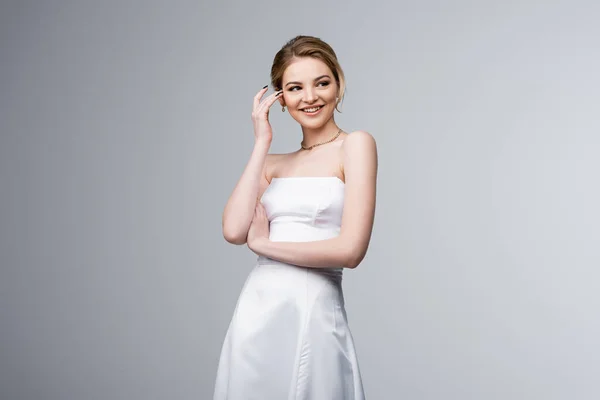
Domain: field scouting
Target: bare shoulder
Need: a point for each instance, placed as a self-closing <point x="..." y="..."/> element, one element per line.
<point x="359" y="139"/>
<point x="359" y="147"/>
<point x="272" y="162"/>
<point x="359" y="151"/>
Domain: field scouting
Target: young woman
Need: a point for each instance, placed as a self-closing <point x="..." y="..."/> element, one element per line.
<point x="307" y="215"/>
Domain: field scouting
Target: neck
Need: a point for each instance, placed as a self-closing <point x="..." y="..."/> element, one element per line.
<point x="312" y="136"/>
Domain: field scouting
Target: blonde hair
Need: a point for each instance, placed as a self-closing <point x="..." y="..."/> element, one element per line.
<point x="307" y="46"/>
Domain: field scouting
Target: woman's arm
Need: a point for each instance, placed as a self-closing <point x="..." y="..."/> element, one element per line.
<point x="350" y="247"/>
<point x="239" y="209"/>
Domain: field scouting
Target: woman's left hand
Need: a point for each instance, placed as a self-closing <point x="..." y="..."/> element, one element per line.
<point x="259" y="228"/>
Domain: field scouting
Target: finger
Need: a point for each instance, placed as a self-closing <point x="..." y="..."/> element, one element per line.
<point x="269" y="101"/>
<point x="259" y="95"/>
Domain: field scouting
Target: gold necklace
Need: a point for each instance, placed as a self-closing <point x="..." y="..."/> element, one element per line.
<point x="318" y="144"/>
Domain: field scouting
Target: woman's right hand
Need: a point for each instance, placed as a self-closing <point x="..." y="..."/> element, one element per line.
<point x="260" y="115"/>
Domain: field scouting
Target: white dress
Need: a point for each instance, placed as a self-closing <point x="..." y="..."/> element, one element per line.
<point x="289" y="337"/>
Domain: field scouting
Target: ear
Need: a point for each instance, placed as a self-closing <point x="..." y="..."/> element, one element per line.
<point x="281" y="101"/>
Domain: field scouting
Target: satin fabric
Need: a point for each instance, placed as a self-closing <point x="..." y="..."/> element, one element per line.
<point x="289" y="336"/>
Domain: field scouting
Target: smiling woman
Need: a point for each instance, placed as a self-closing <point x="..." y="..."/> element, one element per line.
<point x="307" y="215"/>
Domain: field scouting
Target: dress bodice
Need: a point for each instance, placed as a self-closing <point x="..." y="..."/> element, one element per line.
<point x="304" y="208"/>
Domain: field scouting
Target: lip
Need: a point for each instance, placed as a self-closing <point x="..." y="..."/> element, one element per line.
<point x="314" y="113"/>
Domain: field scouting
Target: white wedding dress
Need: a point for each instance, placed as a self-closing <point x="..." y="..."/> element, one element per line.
<point x="289" y="337"/>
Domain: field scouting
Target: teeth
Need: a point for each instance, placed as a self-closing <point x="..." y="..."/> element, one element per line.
<point x="311" y="109"/>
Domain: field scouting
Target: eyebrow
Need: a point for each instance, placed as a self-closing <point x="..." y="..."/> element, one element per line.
<point x="316" y="79"/>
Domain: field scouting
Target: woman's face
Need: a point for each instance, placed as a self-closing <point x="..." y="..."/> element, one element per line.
<point x="309" y="91"/>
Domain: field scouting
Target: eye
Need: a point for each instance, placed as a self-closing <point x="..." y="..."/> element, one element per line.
<point x="324" y="83"/>
<point x="293" y="88"/>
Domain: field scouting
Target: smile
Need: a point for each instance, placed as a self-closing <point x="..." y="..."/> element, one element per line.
<point x="311" y="110"/>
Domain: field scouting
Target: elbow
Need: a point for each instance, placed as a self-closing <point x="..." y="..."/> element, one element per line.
<point x="238" y="240"/>
<point x="233" y="237"/>
<point x="233" y="232"/>
<point x="352" y="263"/>
<point x="354" y="259"/>
<point x="353" y="252"/>
<point x="356" y="250"/>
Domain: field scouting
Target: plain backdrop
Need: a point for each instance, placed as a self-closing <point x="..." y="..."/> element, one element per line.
<point x="125" y="125"/>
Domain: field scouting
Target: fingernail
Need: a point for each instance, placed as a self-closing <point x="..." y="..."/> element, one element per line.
<point x="264" y="87"/>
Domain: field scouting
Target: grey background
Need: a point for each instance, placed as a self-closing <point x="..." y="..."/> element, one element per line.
<point x="125" y="125"/>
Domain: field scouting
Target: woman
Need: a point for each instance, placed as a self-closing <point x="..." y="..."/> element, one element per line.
<point x="307" y="215"/>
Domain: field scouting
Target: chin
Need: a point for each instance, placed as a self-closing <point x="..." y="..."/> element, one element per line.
<point x="312" y="122"/>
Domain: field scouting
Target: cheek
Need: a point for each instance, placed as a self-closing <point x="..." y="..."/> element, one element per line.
<point x="331" y="93"/>
<point x="290" y="98"/>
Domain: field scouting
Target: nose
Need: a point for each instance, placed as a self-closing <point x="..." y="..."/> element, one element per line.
<point x="310" y="95"/>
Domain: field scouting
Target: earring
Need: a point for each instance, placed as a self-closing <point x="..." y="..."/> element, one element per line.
<point x="283" y="109"/>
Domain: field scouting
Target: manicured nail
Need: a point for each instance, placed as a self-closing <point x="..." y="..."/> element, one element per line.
<point x="264" y="87"/>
